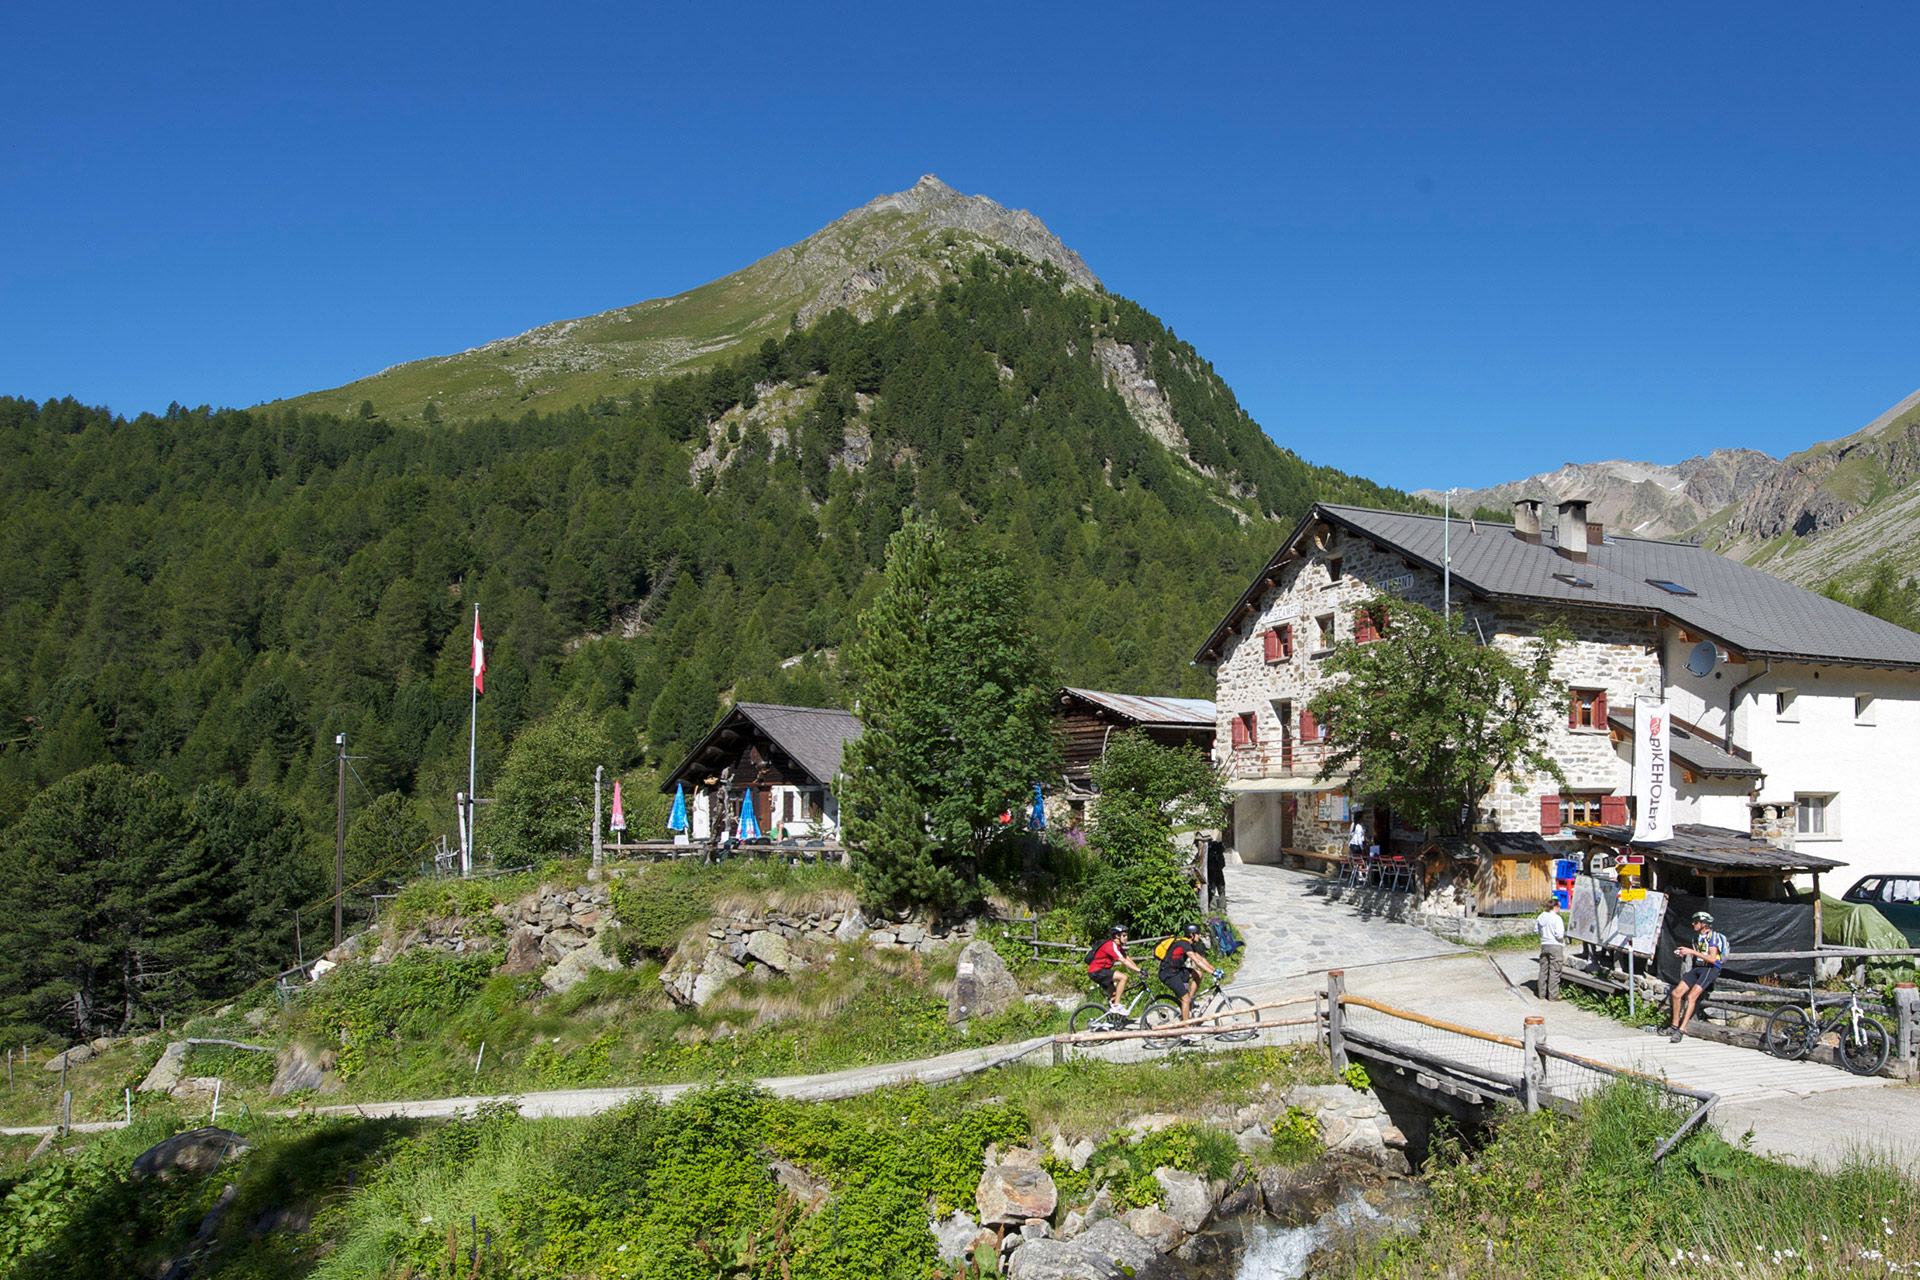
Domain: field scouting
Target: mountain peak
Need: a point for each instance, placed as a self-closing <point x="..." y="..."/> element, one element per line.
<point x="867" y="261"/>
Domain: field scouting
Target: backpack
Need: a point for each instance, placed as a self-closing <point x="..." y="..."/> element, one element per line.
<point x="1160" y="952"/>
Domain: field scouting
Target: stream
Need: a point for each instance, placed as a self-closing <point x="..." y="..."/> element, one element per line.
<point x="1256" y="1247"/>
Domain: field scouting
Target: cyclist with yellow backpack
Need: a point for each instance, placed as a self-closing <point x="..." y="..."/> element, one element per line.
<point x="1178" y="956"/>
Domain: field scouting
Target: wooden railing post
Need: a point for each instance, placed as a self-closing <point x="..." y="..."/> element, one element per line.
<point x="1533" y="1066"/>
<point x="1906" y="1007"/>
<point x="1336" y="1043"/>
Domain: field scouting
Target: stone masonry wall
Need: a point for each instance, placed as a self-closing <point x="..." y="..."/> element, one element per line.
<point x="1617" y="652"/>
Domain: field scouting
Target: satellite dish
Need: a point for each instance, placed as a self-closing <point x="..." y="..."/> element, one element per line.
<point x="1701" y="661"/>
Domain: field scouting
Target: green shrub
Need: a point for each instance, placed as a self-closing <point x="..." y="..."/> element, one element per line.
<point x="1296" y="1136"/>
<point x="365" y="1007"/>
<point x="235" y="1066"/>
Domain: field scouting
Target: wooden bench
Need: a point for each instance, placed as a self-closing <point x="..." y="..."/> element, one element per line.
<point x="1304" y="859"/>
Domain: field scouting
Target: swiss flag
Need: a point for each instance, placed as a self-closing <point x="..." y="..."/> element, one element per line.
<point x="479" y="655"/>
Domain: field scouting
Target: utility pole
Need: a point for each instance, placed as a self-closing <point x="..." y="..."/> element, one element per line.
<point x="339" y="830"/>
<point x="1446" y="558"/>
<point x="599" y="771"/>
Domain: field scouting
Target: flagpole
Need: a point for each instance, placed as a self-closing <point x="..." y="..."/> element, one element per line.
<point x="473" y="752"/>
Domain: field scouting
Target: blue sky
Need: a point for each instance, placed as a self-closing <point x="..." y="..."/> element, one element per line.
<point x="1430" y="244"/>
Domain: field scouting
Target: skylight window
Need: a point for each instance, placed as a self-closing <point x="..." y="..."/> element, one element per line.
<point x="1672" y="588"/>
<point x="1573" y="580"/>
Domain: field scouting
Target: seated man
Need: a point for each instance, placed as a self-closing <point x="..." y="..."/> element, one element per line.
<point x="1103" y="964"/>
<point x="1708" y="956"/>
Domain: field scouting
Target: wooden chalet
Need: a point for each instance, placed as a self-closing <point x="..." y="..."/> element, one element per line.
<point x="1499" y="873"/>
<point x="786" y="758"/>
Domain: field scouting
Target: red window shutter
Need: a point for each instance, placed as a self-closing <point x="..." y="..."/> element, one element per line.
<point x="1253" y="727"/>
<point x="1600" y="709"/>
<point x="1239" y="731"/>
<point x="1613" y="810"/>
<point x="1549" y="815"/>
<point x="1286" y="642"/>
<point x="1272" y="639"/>
<point x="1573" y="709"/>
<point x="1363" y="629"/>
<point x="1309" y="727"/>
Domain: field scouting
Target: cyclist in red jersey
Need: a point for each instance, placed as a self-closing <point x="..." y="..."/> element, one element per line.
<point x="1104" y="964"/>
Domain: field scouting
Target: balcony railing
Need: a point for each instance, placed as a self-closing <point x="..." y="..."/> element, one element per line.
<point x="1291" y="759"/>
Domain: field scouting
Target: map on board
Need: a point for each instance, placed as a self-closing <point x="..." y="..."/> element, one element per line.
<point x="1598" y="916"/>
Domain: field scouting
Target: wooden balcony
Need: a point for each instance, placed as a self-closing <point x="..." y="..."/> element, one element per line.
<point x="1290" y="759"/>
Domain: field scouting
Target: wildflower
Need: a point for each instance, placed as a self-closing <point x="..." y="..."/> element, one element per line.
<point x="426" y="1217"/>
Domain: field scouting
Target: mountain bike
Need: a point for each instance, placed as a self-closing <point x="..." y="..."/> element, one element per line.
<point x="1793" y="1032"/>
<point x="1240" y="1021"/>
<point x="1101" y="1016"/>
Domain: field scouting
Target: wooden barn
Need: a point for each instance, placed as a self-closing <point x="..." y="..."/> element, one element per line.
<point x="1085" y="720"/>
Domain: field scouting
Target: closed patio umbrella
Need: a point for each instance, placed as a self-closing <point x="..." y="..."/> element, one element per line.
<point x="677" y="820"/>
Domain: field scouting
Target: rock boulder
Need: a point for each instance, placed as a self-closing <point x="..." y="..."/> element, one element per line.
<point x="1060" y="1260"/>
<point x="578" y="964"/>
<point x="981" y="984"/>
<point x="524" y="953"/>
<point x="196" y="1151"/>
<point x="1012" y="1193"/>
<point x="300" y="1068"/>
<point x="770" y="949"/>
<point x="1186" y="1198"/>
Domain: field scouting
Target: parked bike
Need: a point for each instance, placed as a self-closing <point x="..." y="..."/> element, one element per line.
<point x="1793" y="1032"/>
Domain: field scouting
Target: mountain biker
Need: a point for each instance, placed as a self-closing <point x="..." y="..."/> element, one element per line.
<point x="1103" y="964"/>
<point x="1178" y="955"/>
<point x="1699" y="977"/>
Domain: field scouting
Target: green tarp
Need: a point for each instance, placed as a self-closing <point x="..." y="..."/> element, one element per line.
<point x="1855" y="924"/>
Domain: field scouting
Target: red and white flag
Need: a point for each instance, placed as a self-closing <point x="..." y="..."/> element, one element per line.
<point x="479" y="655"/>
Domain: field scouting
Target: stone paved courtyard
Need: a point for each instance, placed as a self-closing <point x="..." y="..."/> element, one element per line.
<point x="1291" y="929"/>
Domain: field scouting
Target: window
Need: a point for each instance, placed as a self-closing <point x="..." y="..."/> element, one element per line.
<point x="1334" y="570"/>
<point x="1246" y="729"/>
<point x="1583" y="809"/>
<point x="1817" y="816"/>
<point x="1279" y="644"/>
<point x="1903" y="890"/>
<point x="1573" y="580"/>
<point x="1587" y="709"/>
<point x="1672" y="588"/>
<point x="1863" y="708"/>
<point x="1283" y="714"/>
<point x="786" y="806"/>
<point x="1325" y="623"/>
<point x="1367" y="628"/>
<point x="1785" y="705"/>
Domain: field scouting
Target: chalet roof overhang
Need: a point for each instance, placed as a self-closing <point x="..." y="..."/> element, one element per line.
<point x="1139" y="711"/>
<point x="722" y="747"/>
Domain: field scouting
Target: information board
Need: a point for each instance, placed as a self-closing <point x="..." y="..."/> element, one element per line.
<point x="1600" y="915"/>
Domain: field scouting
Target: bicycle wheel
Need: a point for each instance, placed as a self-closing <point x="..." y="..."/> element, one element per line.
<point x="1096" y="1017"/>
<point x="1865" y="1053"/>
<point x="1158" y="1015"/>
<point x="1790" y="1033"/>
<point x="1238" y="1019"/>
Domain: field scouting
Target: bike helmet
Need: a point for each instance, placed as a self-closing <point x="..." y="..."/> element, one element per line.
<point x="1118" y="931"/>
<point x="1191" y="930"/>
<point x="1703" y="917"/>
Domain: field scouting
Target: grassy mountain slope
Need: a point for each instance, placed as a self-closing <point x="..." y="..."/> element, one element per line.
<point x="1838" y="510"/>
<point x="866" y="262"/>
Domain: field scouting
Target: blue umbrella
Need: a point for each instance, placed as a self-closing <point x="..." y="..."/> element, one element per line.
<point x="749" y="828"/>
<point x="1039" y="810"/>
<point x="677" y="820"/>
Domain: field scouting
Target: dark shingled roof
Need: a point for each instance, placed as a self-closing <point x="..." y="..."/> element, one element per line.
<point x="1721" y="850"/>
<point x="815" y="738"/>
<point x="1753" y="613"/>
<point x="1702" y="755"/>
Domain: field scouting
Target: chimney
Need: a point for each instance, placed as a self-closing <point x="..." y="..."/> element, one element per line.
<point x="1526" y="519"/>
<point x="1571" y="530"/>
<point x="1596" y="533"/>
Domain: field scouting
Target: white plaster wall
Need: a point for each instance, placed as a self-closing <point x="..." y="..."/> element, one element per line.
<point x="1871" y="768"/>
<point x="1256" y="825"/>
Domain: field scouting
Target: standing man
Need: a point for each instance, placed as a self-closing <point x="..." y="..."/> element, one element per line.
<point x="1707" y="956"/>
<point x="1553" y="951"/>
<point x="1217" y="874"/>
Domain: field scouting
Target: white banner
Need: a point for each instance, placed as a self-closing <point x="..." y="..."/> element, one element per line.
<point x="1652" y="771"/>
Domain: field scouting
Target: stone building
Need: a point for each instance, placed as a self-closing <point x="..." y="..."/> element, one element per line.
<point x="1748" y="663"/>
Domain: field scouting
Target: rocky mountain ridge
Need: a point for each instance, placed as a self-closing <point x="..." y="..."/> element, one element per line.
<point x="1832" y="512"/>
<point x="1645" y="498"/>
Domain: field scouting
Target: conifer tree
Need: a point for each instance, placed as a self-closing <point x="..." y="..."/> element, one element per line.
<point x="951" y="689"/>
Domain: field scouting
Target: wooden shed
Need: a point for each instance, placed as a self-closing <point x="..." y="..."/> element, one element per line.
<point x="1510" y="873"/>
<point x="1085" y="720"/>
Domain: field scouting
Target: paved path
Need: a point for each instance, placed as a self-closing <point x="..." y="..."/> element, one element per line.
<point x="1291" y="930"/>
